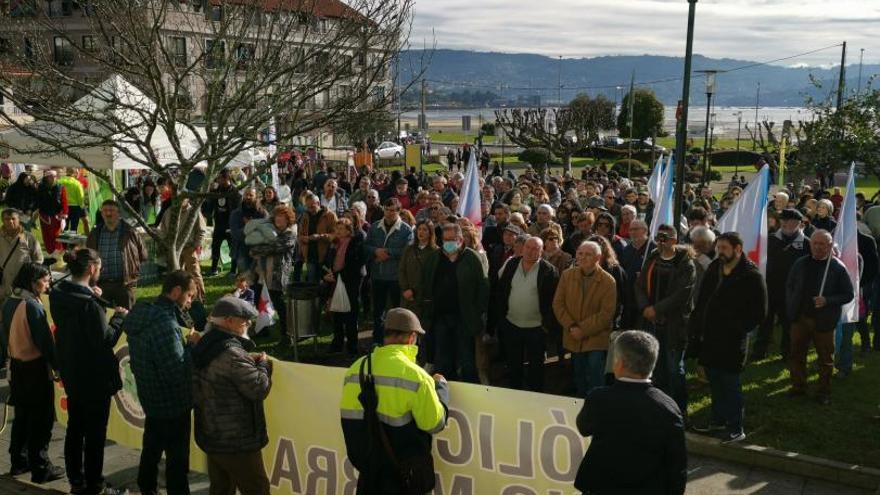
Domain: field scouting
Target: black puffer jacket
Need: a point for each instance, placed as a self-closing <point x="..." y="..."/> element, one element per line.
<point x="726" y="310"/>
<point x="84" y="341"/>
<point x="228" y="392"/>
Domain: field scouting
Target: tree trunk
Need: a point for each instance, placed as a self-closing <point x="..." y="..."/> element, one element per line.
<point x="566" y="162"/>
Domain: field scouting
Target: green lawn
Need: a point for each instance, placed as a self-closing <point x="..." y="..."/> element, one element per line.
<point x="844" y="431"/>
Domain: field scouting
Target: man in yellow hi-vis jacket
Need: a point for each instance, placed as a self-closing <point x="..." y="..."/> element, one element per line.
<point x="390" y="408"/>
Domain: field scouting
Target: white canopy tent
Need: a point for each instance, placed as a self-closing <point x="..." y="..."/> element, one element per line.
<point x="126" y="154"/>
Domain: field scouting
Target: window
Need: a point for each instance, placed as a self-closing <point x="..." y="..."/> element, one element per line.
<point x="244" y="55"/>
<point x="215" y="13"/>
<point x="63" y="51"/>
<point x="178" y="51"/>
<point x="60" y="8"/>
<point x="379" y="95"/>
<point x="361" y="58"/>
<point x="299" y="56"/>
<point x="215" y="51"/>
<point x="88" y="43"/>
<point x="4" y="46"/>
<point x="28" y="49"/>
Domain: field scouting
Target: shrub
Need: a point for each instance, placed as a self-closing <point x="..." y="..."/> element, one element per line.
<point x="536" y="157"/>
<point x="488" y="129"/>
<point x="733" y="157"/>
<point x="624" y="166"/>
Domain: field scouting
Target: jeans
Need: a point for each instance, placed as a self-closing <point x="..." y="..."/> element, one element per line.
<point x="170" y="436"/>
<point x="455" y="357"/>
<point x="29" y="440"/>
<point x="525" y="344"/>
<point x="74" y="214"/>
<point x="313" y="272"/>
<point x="589" y="371"/>
<point x="345" y="329"/>
<point x="84" y="443"/>
<point x="384" y="291"/>
<point x="727" y="399"/>
<point x="220" y="234"/>
<point x="843" y="344"/>
<point x="669" y="373"/>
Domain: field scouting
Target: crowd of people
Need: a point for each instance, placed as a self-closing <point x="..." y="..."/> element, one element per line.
<point x="560" y="266"/>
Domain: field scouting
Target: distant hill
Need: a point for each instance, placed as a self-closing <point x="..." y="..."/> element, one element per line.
<point x="528" y="75"/>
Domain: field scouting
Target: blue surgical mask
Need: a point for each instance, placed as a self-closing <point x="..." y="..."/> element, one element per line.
<point x="450" y="246"/>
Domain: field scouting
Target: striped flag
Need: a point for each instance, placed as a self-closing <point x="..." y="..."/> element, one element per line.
<point x="655" y="180"/>
<point x="469" y="199"/>
<point x="266" y="311"/>
<point x="748" y="216"/>
<point x="846" y="239"/>
<point x="663" y="205"/>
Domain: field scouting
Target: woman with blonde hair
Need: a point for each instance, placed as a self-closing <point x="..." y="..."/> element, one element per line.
<point x="344" y="263"/>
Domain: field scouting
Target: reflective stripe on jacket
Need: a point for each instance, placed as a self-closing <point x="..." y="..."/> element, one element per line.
<point x="412" y="407"/>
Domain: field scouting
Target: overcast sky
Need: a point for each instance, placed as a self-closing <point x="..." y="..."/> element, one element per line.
<point x="742" y="29"/>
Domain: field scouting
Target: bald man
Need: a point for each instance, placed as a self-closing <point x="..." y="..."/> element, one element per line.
<point x="814" y="308"/>
<point x="524" y="298"/>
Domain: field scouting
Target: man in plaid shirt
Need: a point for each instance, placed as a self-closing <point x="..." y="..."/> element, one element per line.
<point x="160" y="362"/>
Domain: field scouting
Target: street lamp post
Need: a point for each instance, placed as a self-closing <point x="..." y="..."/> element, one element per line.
<point x="710" y="90"/>
<point x="681" y="134"/>
<point x="739" y="120"/>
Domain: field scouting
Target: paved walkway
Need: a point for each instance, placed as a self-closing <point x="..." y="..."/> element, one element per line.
<point x="706" y="476"/>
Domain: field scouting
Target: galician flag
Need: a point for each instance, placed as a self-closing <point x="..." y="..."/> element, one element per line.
<point x="748" y="216"/>
<point x="469" y="199"/>
<point x="655" y="180"/>
<point x="663" y="204"/>
<point x="846" y="239"/>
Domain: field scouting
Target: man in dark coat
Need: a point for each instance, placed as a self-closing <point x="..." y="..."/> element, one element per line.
<point x="526" y="288"/>
<point x="784" y="247"/>
<point x="88" y="367"/>
<point x="226" y="201"/>
<point x="732" y="301"/>
<point x="817" y="289"/>
<point x="664" y="296"/>
<point x="638" y="443"/>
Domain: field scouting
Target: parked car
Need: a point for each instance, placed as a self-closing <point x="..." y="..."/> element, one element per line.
<point x="389" y="150"/>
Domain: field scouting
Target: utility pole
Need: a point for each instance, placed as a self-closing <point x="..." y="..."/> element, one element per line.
<point x="423" y="120"/>
<point x="681" y="134"/>
<point x="559" y="93"/>
<point x="631" y="117"/>
<point x="739" y="121"/>
<point x="757" y="126"/>
<point x="841" y="82"/>
<point x="397" y="91"/>
<point x="861" y="60"/>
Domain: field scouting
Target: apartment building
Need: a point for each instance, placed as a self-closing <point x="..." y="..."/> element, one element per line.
<point x="189" y="33"/>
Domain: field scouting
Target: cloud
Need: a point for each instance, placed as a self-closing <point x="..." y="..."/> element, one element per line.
<point x="740" y="29"/>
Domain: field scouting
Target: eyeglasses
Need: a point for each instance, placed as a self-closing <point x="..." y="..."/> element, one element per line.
<point x="663" y="238"/>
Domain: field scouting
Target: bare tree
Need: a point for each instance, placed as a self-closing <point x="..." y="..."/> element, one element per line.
<point x="563" y="131"/>
<point x="218" y="73"/>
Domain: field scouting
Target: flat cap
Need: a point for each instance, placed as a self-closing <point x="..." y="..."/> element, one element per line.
<point x="790" y="214"/>
<point x="403" y="320"/>
<point x="513" y="229"/>
<point x="229" y="306"/>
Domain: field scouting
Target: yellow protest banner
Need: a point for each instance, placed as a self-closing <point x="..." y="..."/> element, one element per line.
<point x="497" y="441"/>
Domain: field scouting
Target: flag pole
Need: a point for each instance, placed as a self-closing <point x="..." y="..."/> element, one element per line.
<point x="825" y="275"/>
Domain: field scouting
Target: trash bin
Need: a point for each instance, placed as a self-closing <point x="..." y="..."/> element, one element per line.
<point x="303" y="309"/>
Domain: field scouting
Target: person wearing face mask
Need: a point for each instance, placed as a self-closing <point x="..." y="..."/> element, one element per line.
<point x="784" y="247"/>
<point x="455" y="293"/>
<point x="88" y="366"/>
<point x="730" y="303"/>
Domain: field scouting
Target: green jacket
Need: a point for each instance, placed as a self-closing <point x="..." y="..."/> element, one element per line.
<point x="473" y="291"/>
<point x="410" y="271"/>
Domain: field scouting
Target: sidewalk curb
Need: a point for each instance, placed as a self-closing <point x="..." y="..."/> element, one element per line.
<point x="788" y="462"/>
